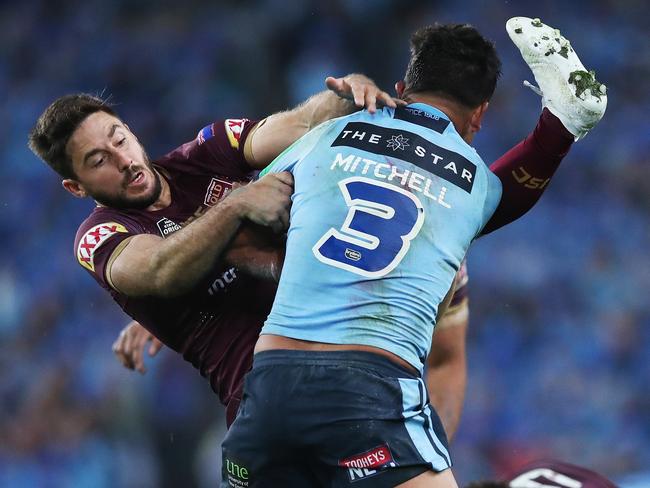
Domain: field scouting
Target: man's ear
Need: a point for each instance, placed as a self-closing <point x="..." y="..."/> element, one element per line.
<point x="476" y="118"/>
<point x="399" y="88"/>
<point x="74" y="187"/>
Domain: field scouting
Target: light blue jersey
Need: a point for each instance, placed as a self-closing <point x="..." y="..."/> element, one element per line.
<point x="384" y="209"/>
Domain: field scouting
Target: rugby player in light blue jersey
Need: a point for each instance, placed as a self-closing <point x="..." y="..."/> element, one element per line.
<point x="384" y="209"/>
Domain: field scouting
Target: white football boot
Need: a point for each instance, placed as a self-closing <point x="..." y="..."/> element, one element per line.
<point x="567" y="89"/>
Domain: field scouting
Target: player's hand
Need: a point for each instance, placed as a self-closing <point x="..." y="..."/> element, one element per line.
<point x="130" y="344"/>
<point x="267" y="201"/>
<point x="363" y="91"/>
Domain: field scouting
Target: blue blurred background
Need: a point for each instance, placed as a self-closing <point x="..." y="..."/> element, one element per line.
<point x="560" y="313"/>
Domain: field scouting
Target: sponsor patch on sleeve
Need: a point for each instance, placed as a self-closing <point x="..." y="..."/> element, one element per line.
<point x="93" y="239"/>
<point x="204" y="134"/>
<point x="234" y="129"/>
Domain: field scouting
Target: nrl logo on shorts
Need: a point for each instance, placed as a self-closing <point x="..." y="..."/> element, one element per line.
<point x="369" y="463"/>
<point x="167" y="227"/>
<point x="217" y="189"/>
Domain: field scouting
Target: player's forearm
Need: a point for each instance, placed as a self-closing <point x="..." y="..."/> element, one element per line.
<point x="324" y="106"/>
<point x="526" y="170"/>
<point x="175" y="265"/>
<point x="179" y="262"/>
<point x="279" y="131"/>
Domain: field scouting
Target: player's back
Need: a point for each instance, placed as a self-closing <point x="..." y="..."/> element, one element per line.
<point x="384" y="209"/>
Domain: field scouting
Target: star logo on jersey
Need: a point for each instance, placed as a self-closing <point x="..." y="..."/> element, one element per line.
<point x="397" y="142"/>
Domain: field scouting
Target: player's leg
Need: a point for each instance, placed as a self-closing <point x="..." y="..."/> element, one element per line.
<point x="573" y="102"/>
<point x="257" y="450"/>
<point x="568" y="90"/>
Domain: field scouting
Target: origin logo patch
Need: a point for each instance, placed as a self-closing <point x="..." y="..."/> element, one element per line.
<point x="167" y="227"/>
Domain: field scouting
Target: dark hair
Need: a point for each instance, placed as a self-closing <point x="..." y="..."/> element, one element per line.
<point x="455" y="61"/>
<point x="56" y="124"/>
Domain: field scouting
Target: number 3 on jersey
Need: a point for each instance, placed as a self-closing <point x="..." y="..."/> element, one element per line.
<point x="382" y="221"/>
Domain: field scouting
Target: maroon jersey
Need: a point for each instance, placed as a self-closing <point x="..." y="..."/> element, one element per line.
<point x="216" y="325"/>
<point x="556" y="474"/>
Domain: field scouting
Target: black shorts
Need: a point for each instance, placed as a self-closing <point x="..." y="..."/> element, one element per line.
<point x="332" y="419"/>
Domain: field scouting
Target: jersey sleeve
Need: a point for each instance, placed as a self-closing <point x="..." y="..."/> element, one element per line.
<point x="98" y="238"/>
<point x="218" y="146"/>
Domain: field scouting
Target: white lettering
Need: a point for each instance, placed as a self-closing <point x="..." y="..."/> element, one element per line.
<point x="410" y="179"/>
<point x="378" y="169"/>
<point x="355" y="164"/>
<point x="420" y="151"/>
<point x="467" y="175"/>
<point x="358" y="135"/>
<point x="229" y="276"/>
<point x="414" y="184"/>
<point x="436" y="158"/>
<point x="369" y="162"/>
<point x="375" y="138"/>
<point x="345" y="133"/>
<point x="441" y="197"/>
<point x="451" y="166"/>
<point x="394" y="173"/>
<point x="427" y="193"/>
<point x="339" y="161"/>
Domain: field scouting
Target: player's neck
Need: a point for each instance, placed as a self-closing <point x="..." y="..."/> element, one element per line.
<point x="458" y="114"/>
<point x="165" y="198"/>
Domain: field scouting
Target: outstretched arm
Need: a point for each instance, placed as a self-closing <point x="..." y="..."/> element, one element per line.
<point x="526" y="170"/>
<point x="345" y="96"/>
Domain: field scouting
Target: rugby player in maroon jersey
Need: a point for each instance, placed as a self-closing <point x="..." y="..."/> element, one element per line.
<point x="155" y="241"/>
<point x="157" y="238"/>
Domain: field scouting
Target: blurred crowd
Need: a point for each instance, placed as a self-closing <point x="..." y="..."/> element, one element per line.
<point x="560" y="324"/>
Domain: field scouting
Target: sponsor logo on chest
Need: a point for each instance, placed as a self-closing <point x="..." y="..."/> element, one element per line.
<point x="408" y="146"/>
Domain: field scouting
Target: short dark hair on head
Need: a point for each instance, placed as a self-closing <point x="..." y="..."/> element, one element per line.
<point x="56" y="124"/>
<point x="455" y="61"/>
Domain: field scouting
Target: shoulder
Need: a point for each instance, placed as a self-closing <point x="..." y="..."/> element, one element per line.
<point x="102" y="226"/>
<point x="218" y="146"/>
